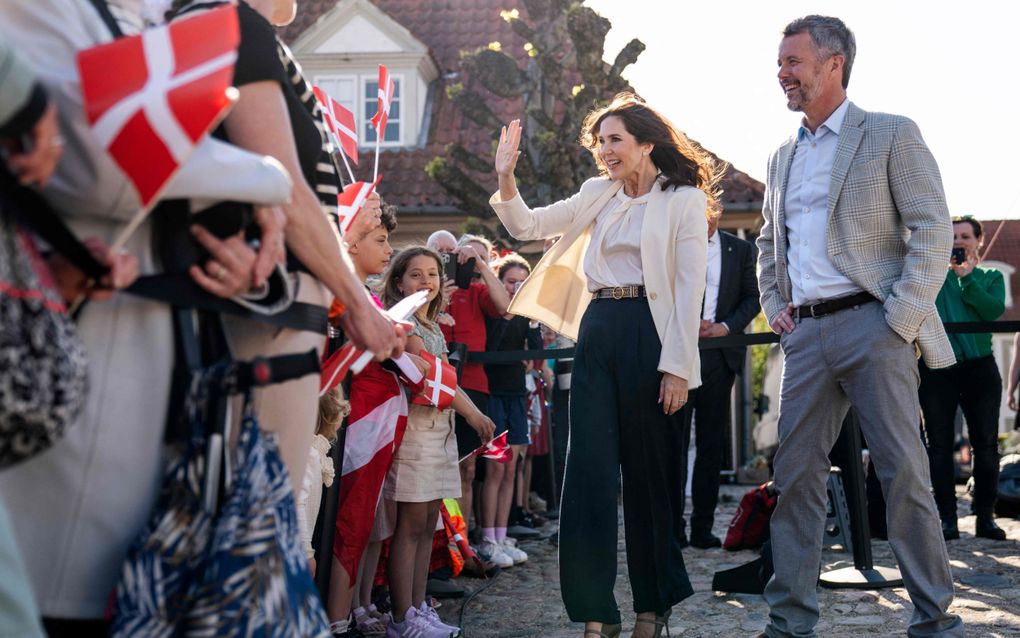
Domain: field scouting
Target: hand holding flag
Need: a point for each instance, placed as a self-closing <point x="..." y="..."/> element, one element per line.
<point x="350" y="359"/>
<point x="171" y="87"/>
<point x="497" y="449"/>
<point x="440" y="385"/>
<point x="350" y="201"/>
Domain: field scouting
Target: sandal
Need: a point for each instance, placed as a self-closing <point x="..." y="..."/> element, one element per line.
<point x="607" y="631"/>
<point x="660" y="623"/>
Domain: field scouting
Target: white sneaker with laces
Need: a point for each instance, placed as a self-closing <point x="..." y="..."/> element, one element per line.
<point x="414" y="626"/>
<point x="509" y="547"/>
<point x="493" y="553"/>
<point x="432" y="616"/>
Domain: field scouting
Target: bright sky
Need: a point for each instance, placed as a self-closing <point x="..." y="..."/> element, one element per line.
<point x="711" y="67"/>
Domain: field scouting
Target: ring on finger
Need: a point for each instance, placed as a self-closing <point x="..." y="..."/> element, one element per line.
<point x="221" y="272"/>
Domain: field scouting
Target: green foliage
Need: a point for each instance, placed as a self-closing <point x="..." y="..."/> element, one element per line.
<point x="759" y="354"/>
<point x="556" y="79"/>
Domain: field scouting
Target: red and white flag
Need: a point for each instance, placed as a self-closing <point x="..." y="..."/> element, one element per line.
<point x="382" y="112"/>
<point x="497" y="449"/>
<point x="375" y="429"/>
<point x="350" y="359"/>
<point x="340" y="122"/>
<point x="350" y="201"/>
<point x="151" y="98"/>
<point x="440" y="385"/>
<point x="335" y="367"/>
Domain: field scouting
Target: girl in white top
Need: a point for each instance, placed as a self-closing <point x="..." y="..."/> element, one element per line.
<point x="424" y="469"/>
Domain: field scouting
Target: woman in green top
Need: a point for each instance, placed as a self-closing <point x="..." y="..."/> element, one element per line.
<point x="970" y="293"/>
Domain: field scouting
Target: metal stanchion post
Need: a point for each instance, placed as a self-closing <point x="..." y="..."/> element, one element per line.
<point x="846" y="454"/>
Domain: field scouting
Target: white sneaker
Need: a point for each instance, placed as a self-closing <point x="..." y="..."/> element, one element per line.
<point x="491" y="552"/>
<point x="509" y="547"/>
<point x="432" y="616"/>
<point x="414" y="626"/>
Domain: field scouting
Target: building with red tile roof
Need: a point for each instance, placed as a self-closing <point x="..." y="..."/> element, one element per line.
<point x="339" y="44"/>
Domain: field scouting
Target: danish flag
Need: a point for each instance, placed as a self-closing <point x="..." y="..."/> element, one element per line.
<point x="151" y="98"/>
<point x="348" y="358"/>
<point x="440" y="385"/>
<point x="497" y="449"/>
<point x="350" y="201"/>
<point x="382" y="112"/>
<point x="340" y="122"/>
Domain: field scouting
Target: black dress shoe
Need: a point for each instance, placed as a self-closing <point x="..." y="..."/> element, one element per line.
<point x="950" y="531"/>
<point x="705" y="542"/>
<point x="985" y="527"/>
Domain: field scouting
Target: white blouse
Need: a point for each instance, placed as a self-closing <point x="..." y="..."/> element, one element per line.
<point x="318" y="473"/>
<point x="614" y="254"/>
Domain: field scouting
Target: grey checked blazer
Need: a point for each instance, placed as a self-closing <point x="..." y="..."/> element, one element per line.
<point x="888" y="231"/>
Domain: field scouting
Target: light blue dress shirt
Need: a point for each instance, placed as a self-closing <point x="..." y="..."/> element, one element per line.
<point x="812" y="274"/>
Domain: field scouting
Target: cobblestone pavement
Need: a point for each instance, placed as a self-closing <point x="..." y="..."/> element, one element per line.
<point x="525" y="600"/>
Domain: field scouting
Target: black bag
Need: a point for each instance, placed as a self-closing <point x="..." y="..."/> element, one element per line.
<point x="43" y="369"/>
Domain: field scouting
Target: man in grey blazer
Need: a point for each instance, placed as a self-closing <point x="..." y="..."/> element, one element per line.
<point x="851" y="257"/>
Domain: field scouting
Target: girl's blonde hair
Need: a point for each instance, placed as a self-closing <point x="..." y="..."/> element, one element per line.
<point x="332" y="410"/>
<point x="395" y="272"/>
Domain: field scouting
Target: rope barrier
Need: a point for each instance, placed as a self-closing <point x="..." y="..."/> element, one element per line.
<point x="729" y="341"/>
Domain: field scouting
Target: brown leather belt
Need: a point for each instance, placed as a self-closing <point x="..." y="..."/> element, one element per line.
<point x="823" y="308"/>
<point x="619" y="292"/>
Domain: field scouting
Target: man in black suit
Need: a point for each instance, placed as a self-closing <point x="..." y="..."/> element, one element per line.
<point x="731" y="302"/>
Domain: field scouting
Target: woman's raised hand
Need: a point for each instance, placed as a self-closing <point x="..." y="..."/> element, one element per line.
<point x="507" y="152"/>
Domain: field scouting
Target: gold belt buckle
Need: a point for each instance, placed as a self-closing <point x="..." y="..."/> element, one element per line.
<point x="618" y="293"/>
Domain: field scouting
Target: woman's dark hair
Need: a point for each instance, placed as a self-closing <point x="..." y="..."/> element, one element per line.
<point x="969" y="219"/>
<point x="395" y="272"/>
<point x="510" y="261"/>
<point x="681" y="161"/>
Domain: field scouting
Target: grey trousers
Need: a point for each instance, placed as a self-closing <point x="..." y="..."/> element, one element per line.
<point x="852" y="357"/>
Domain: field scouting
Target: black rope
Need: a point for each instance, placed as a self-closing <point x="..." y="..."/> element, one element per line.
<point x="729" y="341"/>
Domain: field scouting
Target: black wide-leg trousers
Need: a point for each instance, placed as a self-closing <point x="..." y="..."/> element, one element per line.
<point x="617" y="424"/>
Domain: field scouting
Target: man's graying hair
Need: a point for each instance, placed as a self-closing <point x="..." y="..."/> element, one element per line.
<point x="830" y="36"/>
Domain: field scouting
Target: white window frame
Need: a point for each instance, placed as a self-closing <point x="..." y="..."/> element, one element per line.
<point x="363" y="120"/>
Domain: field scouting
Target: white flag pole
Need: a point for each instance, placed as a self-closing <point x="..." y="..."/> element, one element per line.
<point x="343" y="156"/>
<point x="378" y="136"/>
<point x="129" y="230"/>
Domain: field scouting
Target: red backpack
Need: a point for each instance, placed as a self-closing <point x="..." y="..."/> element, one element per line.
<point x="749" y="528"/>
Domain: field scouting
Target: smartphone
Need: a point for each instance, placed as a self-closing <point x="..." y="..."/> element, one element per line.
<point x="958" y="256"/>
<point x="459" y="274"/>
<point x="449" y="266"/>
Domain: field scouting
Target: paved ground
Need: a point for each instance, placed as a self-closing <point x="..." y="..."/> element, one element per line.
<point x="525" y="600"/>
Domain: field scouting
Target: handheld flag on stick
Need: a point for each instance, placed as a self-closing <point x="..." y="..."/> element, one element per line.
<point x="440" y="385"/>
<point x="171" y="87"/>
<point x="350" y="201"/>
<point x="382" y="112"/>
<point x="350" y="359"/>
<point x="497" y="449"/>
<point x="462" y="544"/>
<point x="340" y="123"/>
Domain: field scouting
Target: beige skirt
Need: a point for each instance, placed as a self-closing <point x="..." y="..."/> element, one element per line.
<point x="425" y="465"/>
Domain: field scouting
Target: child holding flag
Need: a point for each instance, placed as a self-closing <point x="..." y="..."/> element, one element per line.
<point x="424" y="469"/>
<point x="375" y="428"/>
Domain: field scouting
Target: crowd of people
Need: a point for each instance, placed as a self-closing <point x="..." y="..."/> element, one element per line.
<point x="635" y="272"/>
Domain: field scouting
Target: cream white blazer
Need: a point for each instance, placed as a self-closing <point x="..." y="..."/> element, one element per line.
<point x="674" y="254"/>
